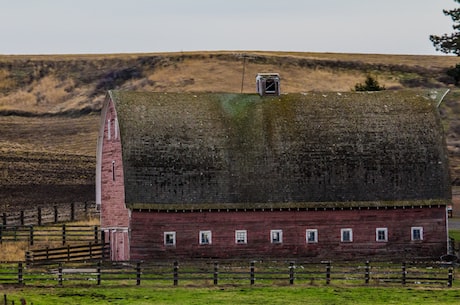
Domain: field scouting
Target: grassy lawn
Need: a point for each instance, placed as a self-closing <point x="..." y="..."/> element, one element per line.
<point x="234" y="295"/>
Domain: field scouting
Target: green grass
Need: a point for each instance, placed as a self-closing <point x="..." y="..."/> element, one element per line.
<point x="232" y="295"/>
<point x="455" y="234"/>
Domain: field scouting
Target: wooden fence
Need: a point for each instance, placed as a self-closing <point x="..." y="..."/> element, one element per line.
<point x="226" y="273"/>
<point x="52" y="234"/>
<point x="51" y="214"/>
<point x="69" y="253"/>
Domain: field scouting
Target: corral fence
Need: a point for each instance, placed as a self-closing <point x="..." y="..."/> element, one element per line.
<point x="86" y="252"/>
<point x="51" y="214"/>
<point x="233" y="273"/>
<point x="51" y="234"/>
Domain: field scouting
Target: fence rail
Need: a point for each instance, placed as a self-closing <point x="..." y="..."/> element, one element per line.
<point x="51" y="214"/>
<point x="70" y="253"/>
<point x="60" y="234"/>
<point x="224" y="273"/>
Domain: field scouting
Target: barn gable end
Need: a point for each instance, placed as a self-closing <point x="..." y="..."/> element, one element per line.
<point x="110" y="190"/>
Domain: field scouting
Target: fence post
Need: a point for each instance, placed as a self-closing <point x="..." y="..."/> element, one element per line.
<point x="60" y="274"/>
<point x="90" y="250"/>
<point x="138" y="273"/>
<point x="56" y="218"/>
<point x="64" y="235"/>
<point x="68" y="252"/>
<point x="20" y="274"/>
<point x="328" y="273"/>
<point x="103" y="245"/>
<point x="367" y="273"/>
<point x="29" y="258"/>
<point x="216" y="273"/>
<point x="176" y="274"/>
<point x="86" y="209"/>
<point x="451" y="277"/>
<point x="39" y="216"/>
<point x="1" y="233"/>
<point x="253" y="279"/>
<point x="21" y="217"/>
<point x="4" y="219"/>
<point x="403" y="273"/>
<point x="96" y="234"/>
<point x="31" y="235"/>
<point x="291" y="273"/>
<point x="98" y="271"/>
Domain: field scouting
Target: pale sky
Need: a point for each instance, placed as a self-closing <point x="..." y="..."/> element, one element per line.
<point x="134" y="26"/>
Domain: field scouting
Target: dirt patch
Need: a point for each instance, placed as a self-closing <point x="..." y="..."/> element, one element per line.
<point x="47" y="160"/>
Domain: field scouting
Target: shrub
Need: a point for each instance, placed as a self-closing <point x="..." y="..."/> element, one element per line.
<point x="454" y="73"/>
<point x="370" y="84"/>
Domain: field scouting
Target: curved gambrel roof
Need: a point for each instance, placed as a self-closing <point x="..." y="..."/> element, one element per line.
<point x="208" y="150"/>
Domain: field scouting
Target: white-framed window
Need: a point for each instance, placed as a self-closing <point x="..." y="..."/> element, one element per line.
<point x="169" y="238"/>
<point x="116" y="128"/>
<point x="311" y="236"/>
<point x="417" y="233"/>
<point x="276" y="236"/>
<point x="381" y="234"/>
<point x="205" y="237"/>
<point x="346" y="235"/>
<point x="109" y="131"/>
<point x="241" y="237"/>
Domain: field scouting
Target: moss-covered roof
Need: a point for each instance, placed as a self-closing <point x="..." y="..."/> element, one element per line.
<point x="204" y="149"/>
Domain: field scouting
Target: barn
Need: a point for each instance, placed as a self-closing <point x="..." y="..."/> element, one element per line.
<point x="301" y="175"/>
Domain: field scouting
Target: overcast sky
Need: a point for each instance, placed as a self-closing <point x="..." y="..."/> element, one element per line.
<point x="117" y="26"/>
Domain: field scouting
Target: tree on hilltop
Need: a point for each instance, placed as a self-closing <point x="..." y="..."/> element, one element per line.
<point x="449" y="43"/>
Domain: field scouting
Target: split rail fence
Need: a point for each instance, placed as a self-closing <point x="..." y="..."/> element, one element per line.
<point x="225" y="273"/>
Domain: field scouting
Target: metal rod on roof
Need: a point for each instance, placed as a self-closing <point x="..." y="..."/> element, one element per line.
<point x="442" y="97"/>
<point x="244" y="56"/>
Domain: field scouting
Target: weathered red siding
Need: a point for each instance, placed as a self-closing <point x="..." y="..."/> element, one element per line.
<point x="114" y="214"/>
<point x="148" y="229"/>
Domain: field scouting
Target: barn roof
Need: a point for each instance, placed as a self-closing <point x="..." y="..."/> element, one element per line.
<point x="220" y="150"/>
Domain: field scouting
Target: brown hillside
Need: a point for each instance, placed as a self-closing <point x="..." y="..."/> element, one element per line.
<point x="49" y="104"/>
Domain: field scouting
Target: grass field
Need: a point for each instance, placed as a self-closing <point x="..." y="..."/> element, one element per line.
<point x="234" y="295"/>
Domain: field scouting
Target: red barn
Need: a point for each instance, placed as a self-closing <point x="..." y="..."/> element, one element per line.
<point x="314" y="176"/>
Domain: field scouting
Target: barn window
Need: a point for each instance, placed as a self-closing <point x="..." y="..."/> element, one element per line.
<point x="113" y="170"/>
<point x="381" y="234"/>
<point x="346" y="235"/>
<point x="417" y="233"/>
<point x="241" y="237"/>
<point x="170" y="238"/>
<point x="109" y="132"/>
<point x="116" y="129"/>
<point x="312" y="236"/>
<point x="205" y="237"/>
<point x="270" y="86"/>
<point x="276" y="236"/>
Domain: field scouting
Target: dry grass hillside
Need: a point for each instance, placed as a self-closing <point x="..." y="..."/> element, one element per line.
<point x="49" y="105"/>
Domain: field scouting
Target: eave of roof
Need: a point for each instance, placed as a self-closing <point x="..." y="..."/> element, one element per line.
<point x="352" y="205"/>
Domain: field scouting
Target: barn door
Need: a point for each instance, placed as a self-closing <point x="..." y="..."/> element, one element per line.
<point x="119" y="245"/>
